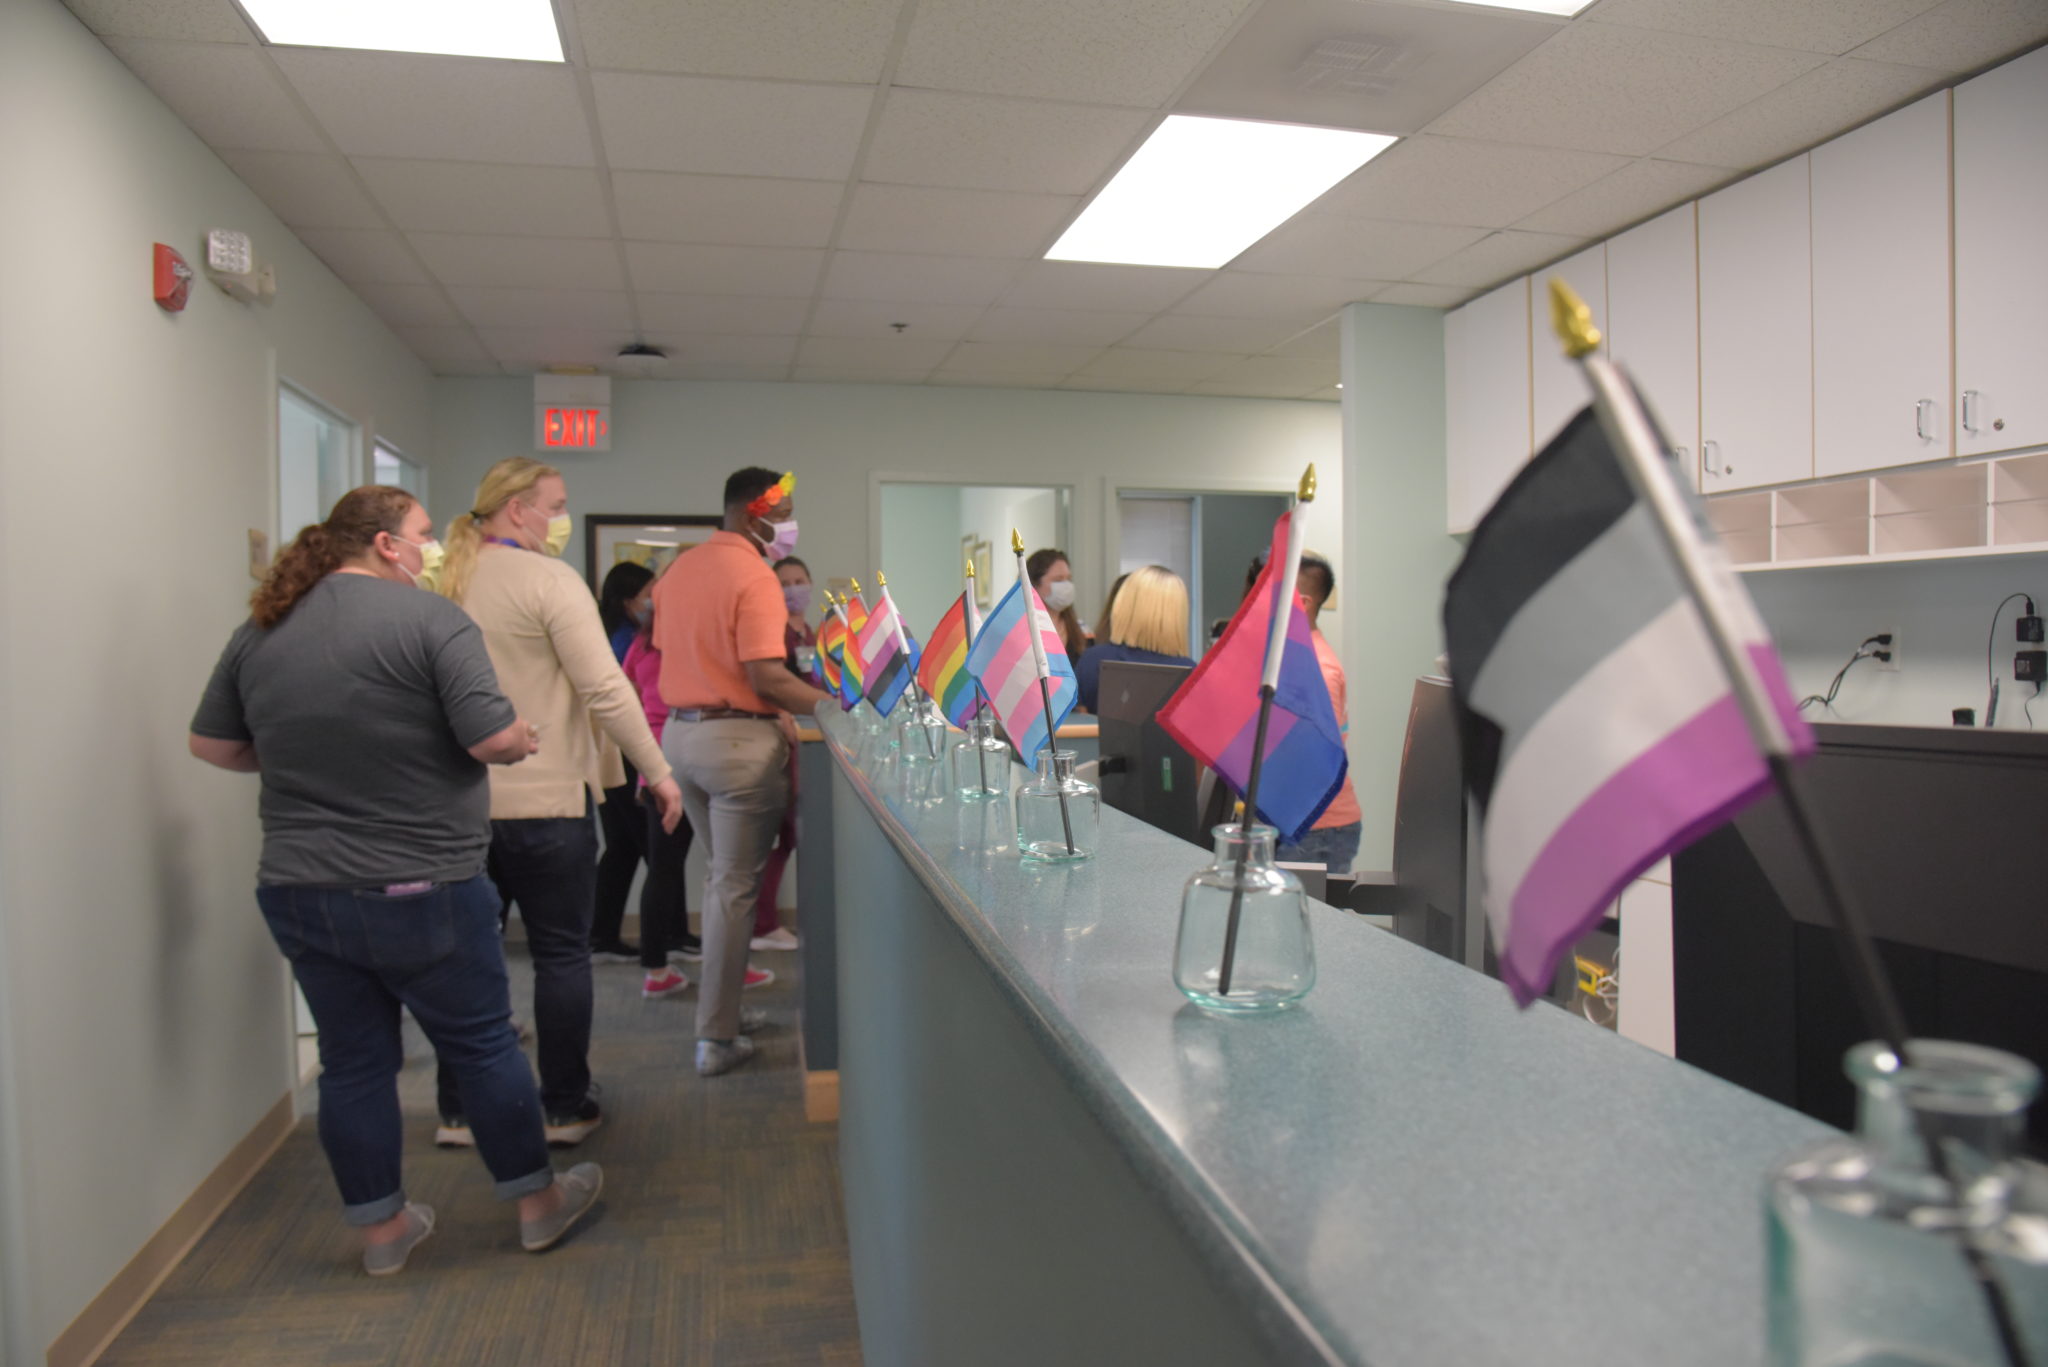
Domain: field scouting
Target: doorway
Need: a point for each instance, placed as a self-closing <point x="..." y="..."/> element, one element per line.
<point x="1208" y="538"/>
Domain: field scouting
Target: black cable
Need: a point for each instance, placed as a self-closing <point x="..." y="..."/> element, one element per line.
<point x="1990" y="645"/>
<point x="1863" y="652"/>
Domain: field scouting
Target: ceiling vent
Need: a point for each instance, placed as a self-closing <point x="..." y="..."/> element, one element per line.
<point x="1364" y="66"/>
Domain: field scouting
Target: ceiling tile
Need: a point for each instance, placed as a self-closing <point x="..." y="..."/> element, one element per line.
<point x="916" y="279"/>
<point x="1128" y="52"/>
<point x="739" y="210"/>
<point x="1355" y="248"/>
<point x="449" y="350"/>
<point x="1017" y="358"/>
<point x="1091" y="286"/>
<point x="1302" y="299"/>
<point x="1605" y="88"/>
<point x="489" y="306"/>
<point x="457" y="197"/>
<point x="929" y="137"/>
<point x="1962" y="35"/>
<point x="1184" y="332"/>
<point x="916" y="218"/>
<point x="1496" y="257"/>
<point x="1059" y="327"/>
<point x="873" y="318"/>
<point x="1829" y="26"/>
<point x="798" y="40"/>
<point x="363" y="257"/>
<point x="1269" y="377"/>
<point x="1635" y="192"/>
<point x="410" y="305"/>
<point x="195" y="21"/>
<point x="694" y="349"/>
<point x="1138" y="363"/>
<point x="734" y="314"/>
<point x="306" y="191"/>
<point x="529" y="262"/>
<point x="873" y="353"/>
<point x="227" y="95"/>
<point x="819" y="374"/>
<point x="1802" y="113"/>
<point x="529" y="349"/>
<point x="771" y="272"/>
<point x="757" y="373"/>
<point x="733" y="128"/>
<point x="1428" y="179"/>
<point x="394" y="104"/>
<point x="1425" y="296"/>
<point x="962" y="379"/>
<point x="1320" y="343"/>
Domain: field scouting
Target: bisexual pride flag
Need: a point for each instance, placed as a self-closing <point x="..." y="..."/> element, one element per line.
<point x="942" y="674"/>
<point x="1215" y="714"/>
<point x="885" y="660"/>
<point x="1599" y="730"/>
<point x="1004" y="664"/>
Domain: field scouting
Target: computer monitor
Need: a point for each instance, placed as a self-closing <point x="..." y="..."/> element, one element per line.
<point x="1144" y="771"/>
<point x="1431" y="852"/>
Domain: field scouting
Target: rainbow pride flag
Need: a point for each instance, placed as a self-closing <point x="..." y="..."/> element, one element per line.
<point x="851" y="680"/>
<point x="943" y="672"/>
<point x="831" y="647"/>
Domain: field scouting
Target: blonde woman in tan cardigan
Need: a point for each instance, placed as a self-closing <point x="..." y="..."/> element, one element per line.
<point x="540" y="625"/>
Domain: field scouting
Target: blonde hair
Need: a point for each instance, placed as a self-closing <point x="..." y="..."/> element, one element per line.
<point x="1151" y="612"/>
<point x="503" y="482"/>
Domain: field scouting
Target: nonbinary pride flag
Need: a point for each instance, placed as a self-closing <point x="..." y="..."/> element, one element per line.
<point x="1002" y="662"/>
<point x="1599" y="730"/>
<point x="1215" y="713"/>
<point x="885" y="665"/>
<point x="942" y="674"/>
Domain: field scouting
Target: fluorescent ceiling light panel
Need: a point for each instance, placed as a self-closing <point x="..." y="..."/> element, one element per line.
<point x="1202" y="190"/>
<point x="1563" y="8"/>
<point x="519" y="29"/>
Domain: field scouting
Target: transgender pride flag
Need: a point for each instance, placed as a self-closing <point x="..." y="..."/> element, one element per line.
<point x="1600" y="732"/>
<point x="1003" y="662"/>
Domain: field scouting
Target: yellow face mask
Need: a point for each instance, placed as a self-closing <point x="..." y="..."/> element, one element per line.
<point x="431" y="556"/>
<point x="558" y="534"/>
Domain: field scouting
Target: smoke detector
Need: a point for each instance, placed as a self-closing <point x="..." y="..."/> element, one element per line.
<point x="640" y="361"/>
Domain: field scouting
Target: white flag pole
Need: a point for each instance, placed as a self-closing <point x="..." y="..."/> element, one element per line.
<point x="903" y="648"/>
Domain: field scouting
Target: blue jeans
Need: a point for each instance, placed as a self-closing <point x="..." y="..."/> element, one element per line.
<point x="1331" y="846"/>
<point x="547" y="866"/>
<point x="359" y="956"/>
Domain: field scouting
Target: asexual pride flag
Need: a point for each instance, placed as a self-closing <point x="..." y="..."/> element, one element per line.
<point x="1600" y="732"/>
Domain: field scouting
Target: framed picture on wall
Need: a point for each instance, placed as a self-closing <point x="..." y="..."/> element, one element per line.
<point x="616" y="538"/>
<point x="984" y="571"/>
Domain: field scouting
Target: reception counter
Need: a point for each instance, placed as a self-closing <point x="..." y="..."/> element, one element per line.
<point x="1050" y="1157"/>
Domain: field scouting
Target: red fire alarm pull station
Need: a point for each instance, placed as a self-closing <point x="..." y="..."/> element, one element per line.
<point x="171" y="279"/>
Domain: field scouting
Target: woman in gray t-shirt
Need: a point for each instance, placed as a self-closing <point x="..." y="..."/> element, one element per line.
<point x="370" y="710"/>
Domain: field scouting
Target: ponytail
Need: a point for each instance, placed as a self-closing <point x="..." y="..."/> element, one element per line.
<point x="324" y="547"/>
<point x="503" y="482"/>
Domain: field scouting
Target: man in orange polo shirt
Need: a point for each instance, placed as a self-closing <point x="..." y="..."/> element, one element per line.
<point x="718" y="623"/>
<point x="1333" y="840"/>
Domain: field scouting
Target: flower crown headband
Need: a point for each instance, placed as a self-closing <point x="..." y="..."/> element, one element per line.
<point x="772" y="495"/>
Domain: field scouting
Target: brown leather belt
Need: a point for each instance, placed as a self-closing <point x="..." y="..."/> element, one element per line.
<point x="718" y="714"/>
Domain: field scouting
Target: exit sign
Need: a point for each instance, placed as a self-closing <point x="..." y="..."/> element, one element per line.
<point x="575" y="429"/>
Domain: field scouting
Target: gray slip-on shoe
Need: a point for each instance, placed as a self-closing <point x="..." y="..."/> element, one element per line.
<point x="752" y="1018"/>
<point x="579" y="1187"/>
<point x="722" y="1056"/>
<point x="381" y="1260"/>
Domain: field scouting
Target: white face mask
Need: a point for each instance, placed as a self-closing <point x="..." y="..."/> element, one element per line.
<point x="1059" y="595"/>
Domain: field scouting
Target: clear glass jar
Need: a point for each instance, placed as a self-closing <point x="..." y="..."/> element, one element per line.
<point x="1059" y="817"/>
<point x="981" y="762"/>
<point x="1274" y="962"/>
<point x="1866" y="1264"/>
<point x="920" y="731"/>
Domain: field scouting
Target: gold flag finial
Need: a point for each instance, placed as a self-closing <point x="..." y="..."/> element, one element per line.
<point x="1307" y="492"/>
<point x="1016" y="542"/>
<point x="881" y="580"/>
<point x="1572" y="320"/>
<point x="855" y="583"/>
<point x="970" y="567"/>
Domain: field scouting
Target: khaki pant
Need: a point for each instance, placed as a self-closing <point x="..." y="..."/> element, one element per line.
<point x="735" y="784"/>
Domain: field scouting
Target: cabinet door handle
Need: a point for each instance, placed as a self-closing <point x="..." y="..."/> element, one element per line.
<point x="1711" y="463"/>
<point x="1970" y="397"/>
<point x="1920" y="410"/>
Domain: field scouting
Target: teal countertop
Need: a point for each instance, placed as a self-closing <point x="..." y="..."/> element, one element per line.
<point x="1403" y="1171"/>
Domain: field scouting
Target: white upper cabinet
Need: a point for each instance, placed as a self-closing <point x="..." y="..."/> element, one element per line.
<point x="1653" y="323"/>
<point x="2001" y="207"/>
<point x="1880" y="293"/>
<point x="1557" y="385"/>
<point x="1486" y="394"/>
<point x="1756" y="331"/>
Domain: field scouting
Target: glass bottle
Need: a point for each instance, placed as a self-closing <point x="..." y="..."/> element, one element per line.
<point x="981" y="763"/>
<point x="920" y="731"/>
<point x="1058" y="815"/>
<point x="1274" y="963"/>
<point x="1866" y="1264"/>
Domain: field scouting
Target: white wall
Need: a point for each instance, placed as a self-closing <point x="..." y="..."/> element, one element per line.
<point x="146" y="1016"/>
<point x="921" y="540"/>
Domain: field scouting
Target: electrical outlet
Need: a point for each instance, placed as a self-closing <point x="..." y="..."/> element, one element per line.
<point x="1890" y="666"/>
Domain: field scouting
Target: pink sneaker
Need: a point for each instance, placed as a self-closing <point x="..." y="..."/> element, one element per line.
<point x="759" y="977"/>
<point x="666" y="983"/>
